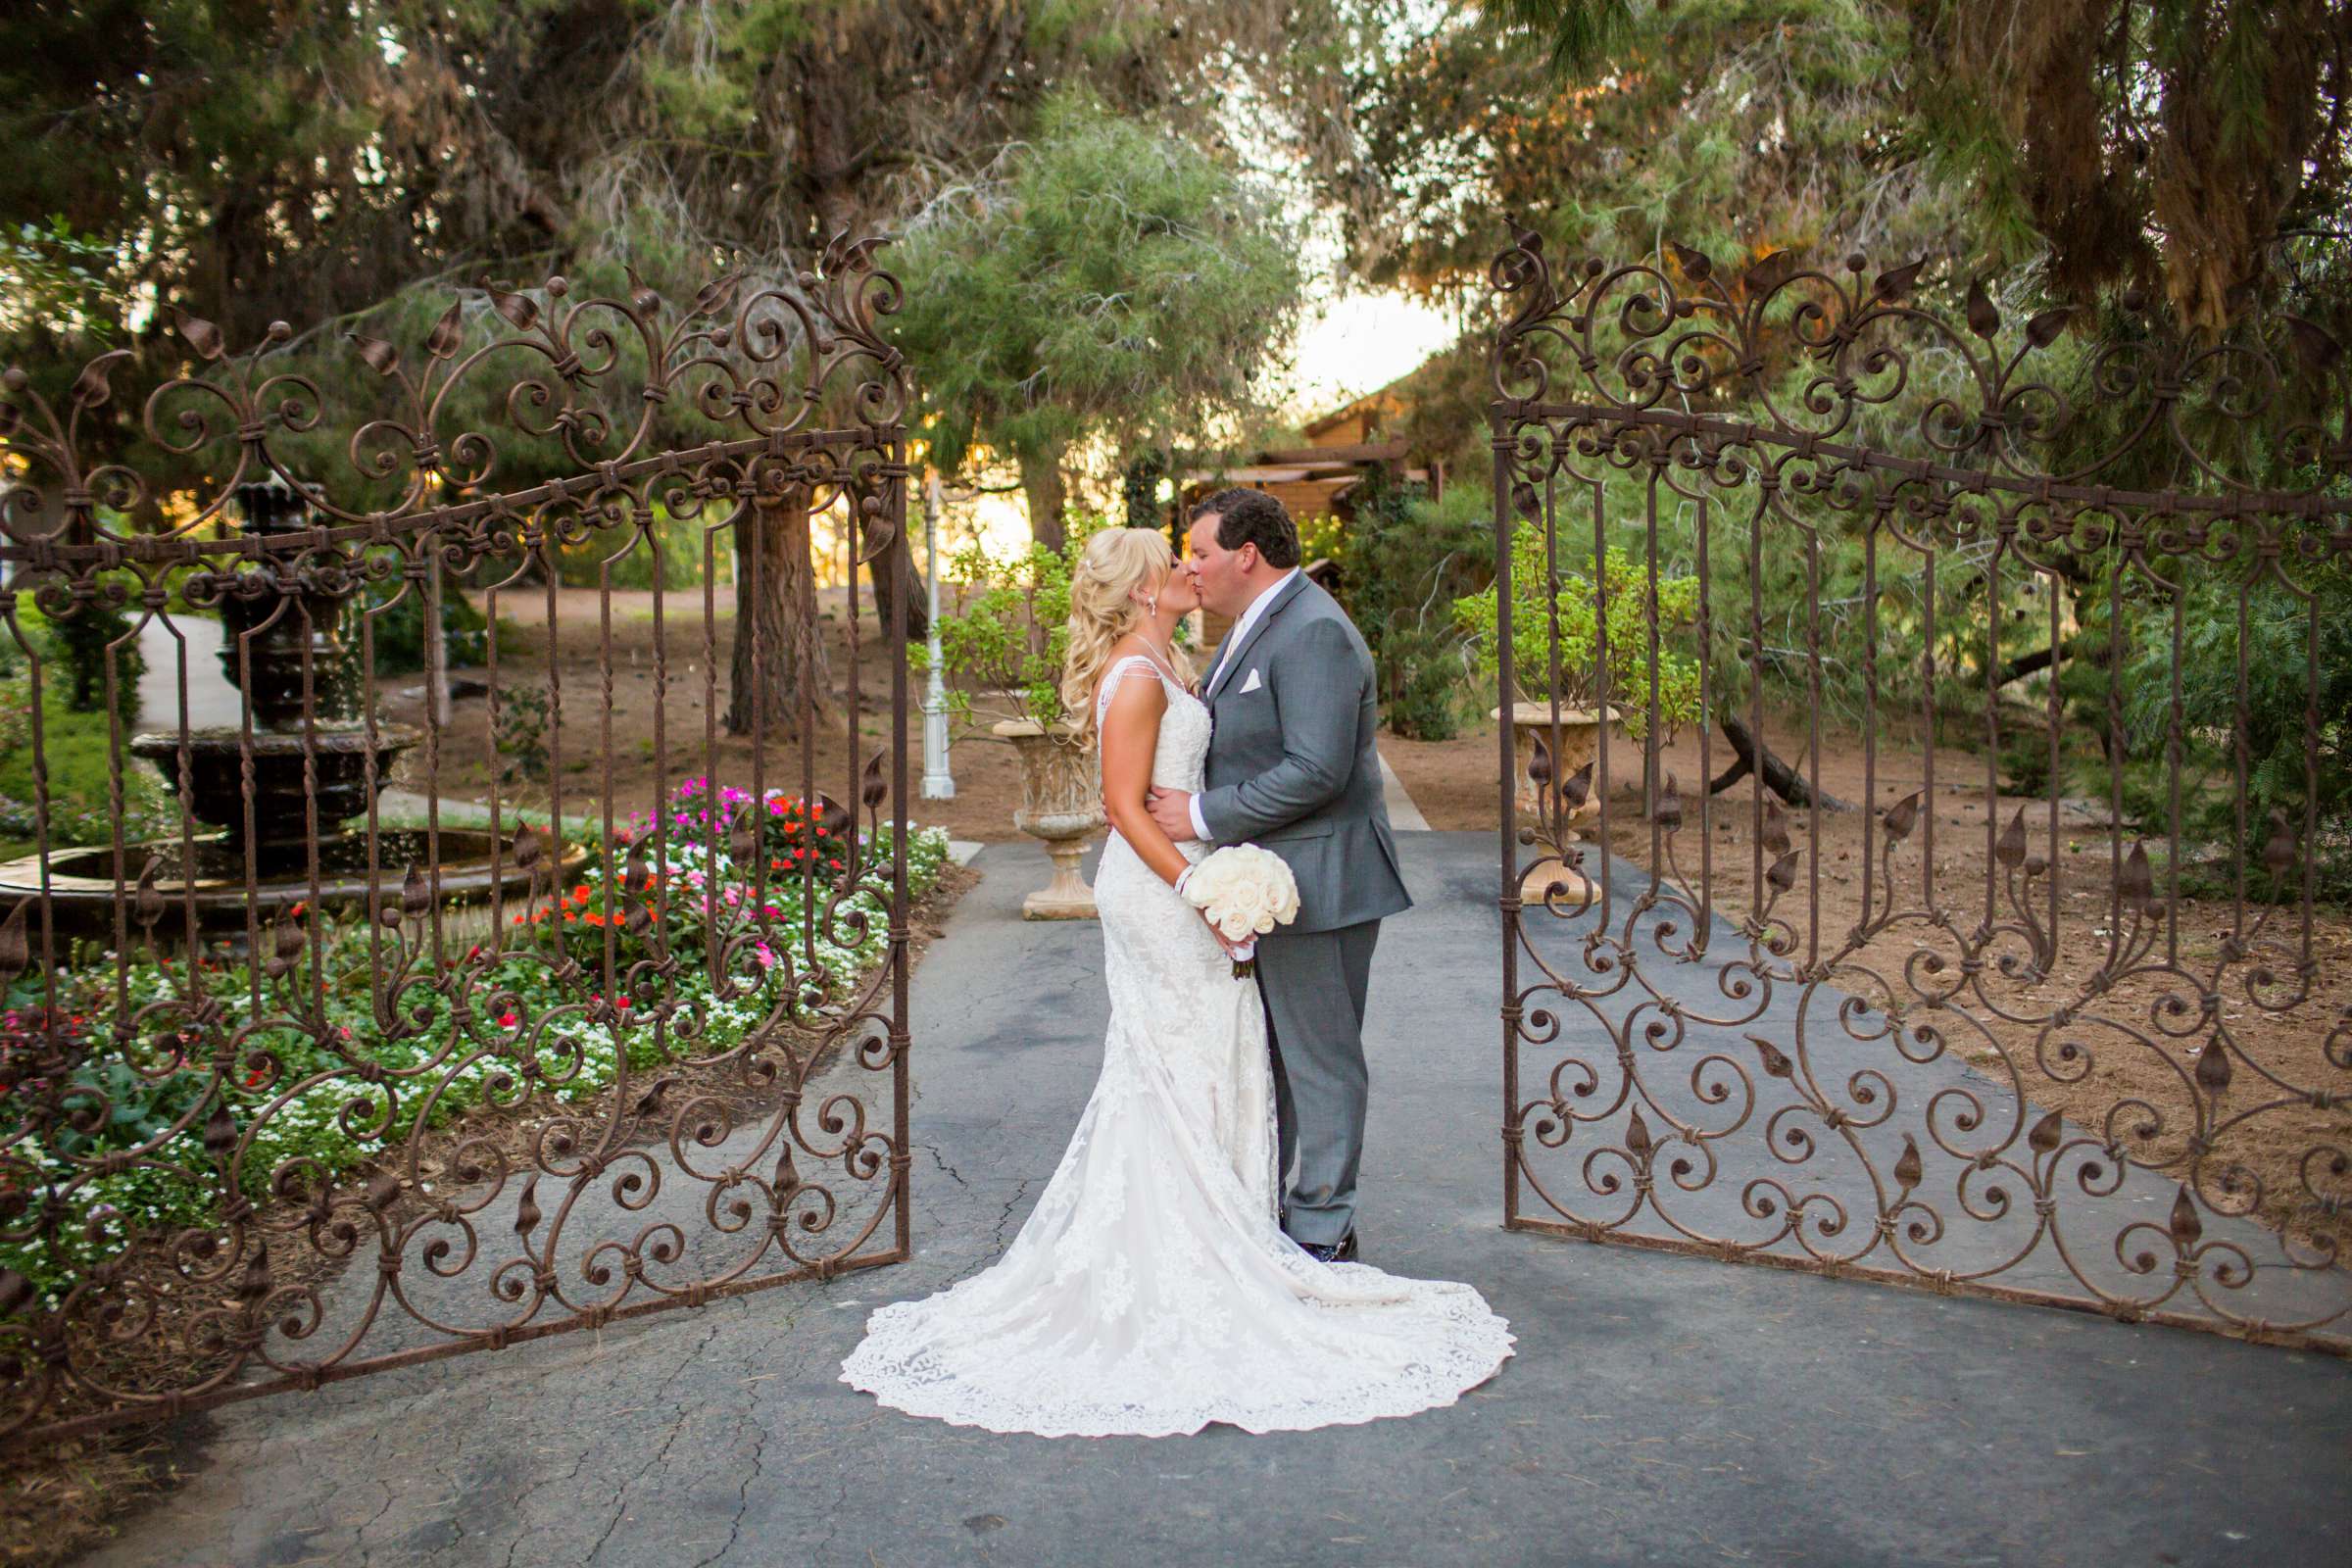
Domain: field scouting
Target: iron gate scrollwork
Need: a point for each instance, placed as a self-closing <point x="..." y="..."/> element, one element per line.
<point x="306" y="1070"/>
<point x="2058" y="1010"/>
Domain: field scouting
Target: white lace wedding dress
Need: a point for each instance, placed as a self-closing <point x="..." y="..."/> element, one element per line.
<point x="1151" y="1291"/>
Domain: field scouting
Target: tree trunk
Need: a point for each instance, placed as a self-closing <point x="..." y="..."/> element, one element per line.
<point x="909" y="582"/>
<point x="778" y="667"/>
<point x="1048" y="496"/>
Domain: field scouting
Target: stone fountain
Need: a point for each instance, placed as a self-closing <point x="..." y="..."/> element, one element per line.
<point x="291" y="833"/>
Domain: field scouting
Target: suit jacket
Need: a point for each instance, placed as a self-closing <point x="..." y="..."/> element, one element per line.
<point x="1292" y="761"/>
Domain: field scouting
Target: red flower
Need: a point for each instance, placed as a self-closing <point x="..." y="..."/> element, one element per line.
<point x="507" y="1020"/>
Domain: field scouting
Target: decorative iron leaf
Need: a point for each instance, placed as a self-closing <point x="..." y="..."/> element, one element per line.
<point x="2010" y="849"/>
<point x="442" y="341"/>
<point x="254" y="1284"/>
<point x="527" y="848"/>
<point x="415" y="897"/>
<point x="636" y="873"/>
<point x="2186" y="1228"/>
<point x="287" y="939"/>
<point x="91" y="387"/>
<point x="1694" y="264"/>
<point x="1983" y="317"/>
<point x="2045" y="1133"/>
<point x="1539" y="762"/>
<point x="2213" y="1068"/>
<point x="1669" y="815"/>
<point x="381" y="357"/>
<point x="2043" y="328"/>
<point x="526" y="1207"/>
<point x="1782" y="874"/>
<point x="1578" y="789"/>
<point x="16" y="1292"/>
<point x="1907" y="1166"/>
<point x="1902" y="817"/>
<point x="1895" y="282"/>
<point x="2137" y="883"/>
<point x="383" y="1191"/>
<point x="716" y="296"/>
<point x="202" y="335"/>
<point x="2278" y="854"/>
<point x="1775" y="829"/>
<point x="516" y="308"/>
<point x="147" y="904"/>
<point x="642" y="299"/>
<point x="219" y="1131"/>
<point x="1776" y="1061"/>
<point x="1638" y="1141"/>
<point x="1769" y="271"/>
<point x="874" y="789"/>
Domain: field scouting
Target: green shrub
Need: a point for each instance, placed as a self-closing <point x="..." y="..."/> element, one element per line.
<point x="76" y="749"/>
<point x="72" y="654"/>
<point x="1403" y="560"/>
<point x="400" y="629"/>
<point x="1539" y="615"/>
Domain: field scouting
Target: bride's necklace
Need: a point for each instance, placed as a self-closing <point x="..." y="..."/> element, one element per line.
<point x="1160" y="656"/>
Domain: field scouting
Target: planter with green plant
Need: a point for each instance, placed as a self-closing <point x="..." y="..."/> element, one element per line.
<point x="1002" y="638"/>
<point x="1568" y="628"/>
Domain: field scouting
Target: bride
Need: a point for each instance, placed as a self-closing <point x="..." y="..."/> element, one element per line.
<point x="1153" y="1290"/>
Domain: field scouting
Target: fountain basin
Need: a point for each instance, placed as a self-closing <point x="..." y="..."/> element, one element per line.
<point x="83" y="887"/>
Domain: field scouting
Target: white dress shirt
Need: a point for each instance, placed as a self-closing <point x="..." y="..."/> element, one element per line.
<point x="1233" y="642"/>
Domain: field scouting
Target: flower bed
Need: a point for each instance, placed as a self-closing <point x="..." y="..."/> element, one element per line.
<point x="167" y="1078"/>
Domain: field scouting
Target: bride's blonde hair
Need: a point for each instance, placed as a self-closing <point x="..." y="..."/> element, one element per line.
<point x="1114" y="563"/>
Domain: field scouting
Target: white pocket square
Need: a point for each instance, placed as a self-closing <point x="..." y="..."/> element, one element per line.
<point x="1253" y="683"/>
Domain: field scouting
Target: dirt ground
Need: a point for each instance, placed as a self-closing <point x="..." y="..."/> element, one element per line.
<point x="691" y="742"/>
<point x="2133" y="1079"/>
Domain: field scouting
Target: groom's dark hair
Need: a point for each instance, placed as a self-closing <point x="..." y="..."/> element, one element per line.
<point x="1254" y="518"/>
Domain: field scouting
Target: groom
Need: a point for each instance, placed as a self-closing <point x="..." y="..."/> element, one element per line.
<point x="1292" y="767"/>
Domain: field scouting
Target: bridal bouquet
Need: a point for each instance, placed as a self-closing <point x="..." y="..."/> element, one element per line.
<point x="1246" y="892"/>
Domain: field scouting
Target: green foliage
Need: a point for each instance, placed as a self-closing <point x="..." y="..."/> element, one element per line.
<point x="77" y="750"/>
<point x="399" y="629"/>
<point x="1005" y="632"/>
<point x="1556" y="616"/>
<point x="1104" y="279"/>
<point x="1403" y="560"/>
<point x="74" y="651"/>
<point x="2262" y="719"/>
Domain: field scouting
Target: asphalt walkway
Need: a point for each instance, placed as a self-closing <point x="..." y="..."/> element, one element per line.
<point x="1660" y="1410"/>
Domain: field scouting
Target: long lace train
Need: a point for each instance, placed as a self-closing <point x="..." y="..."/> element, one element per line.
<point x="1152" y="1291"/>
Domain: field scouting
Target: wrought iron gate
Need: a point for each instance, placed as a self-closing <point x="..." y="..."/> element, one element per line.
<point x="600" y="1011"/>
<point x="2058" y="1008"/>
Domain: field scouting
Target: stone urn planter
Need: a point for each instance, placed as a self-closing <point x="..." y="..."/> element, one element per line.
<point x="1061" y="806"/>
<point x="1573" y="737"/>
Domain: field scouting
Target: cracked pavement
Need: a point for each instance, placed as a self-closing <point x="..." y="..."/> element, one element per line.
<point x="1660" y="1409"/>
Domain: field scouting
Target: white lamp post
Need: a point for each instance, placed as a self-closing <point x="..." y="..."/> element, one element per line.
<point x="938" y="784"/>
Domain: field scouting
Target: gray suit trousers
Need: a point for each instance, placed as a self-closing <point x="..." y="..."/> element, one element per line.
<point x="1313" y="985"/>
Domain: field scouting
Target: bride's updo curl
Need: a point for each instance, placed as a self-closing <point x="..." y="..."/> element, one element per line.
<point x="1102" y="610"/>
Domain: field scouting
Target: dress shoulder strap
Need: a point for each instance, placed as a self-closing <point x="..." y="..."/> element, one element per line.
<point x="1117" y="672"/>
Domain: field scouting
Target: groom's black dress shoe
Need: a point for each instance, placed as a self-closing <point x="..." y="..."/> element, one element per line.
<point x="1341" y="1250"/>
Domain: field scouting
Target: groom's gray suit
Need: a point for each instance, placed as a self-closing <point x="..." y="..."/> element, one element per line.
<point x="1291" y="766"/>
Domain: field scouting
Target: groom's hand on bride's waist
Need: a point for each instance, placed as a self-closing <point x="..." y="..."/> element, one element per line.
<point x="1172" y="810"/>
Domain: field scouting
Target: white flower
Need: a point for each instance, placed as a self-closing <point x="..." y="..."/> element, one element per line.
<point x="1245" y="890"/>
